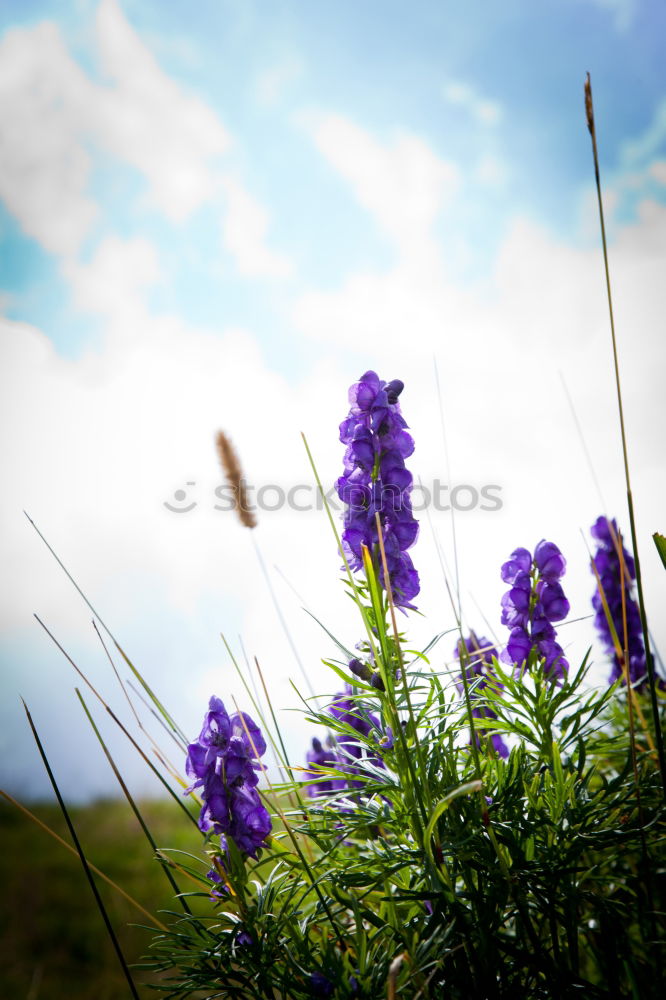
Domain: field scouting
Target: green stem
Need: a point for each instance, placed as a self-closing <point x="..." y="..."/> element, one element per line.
<point x="630" y="503"/>
<point x="83" y="859"/>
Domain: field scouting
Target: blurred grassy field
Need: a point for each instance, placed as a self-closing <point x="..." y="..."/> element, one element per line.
<point x="53" y="944"/>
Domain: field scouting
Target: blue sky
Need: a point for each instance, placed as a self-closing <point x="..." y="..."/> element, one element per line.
<point x="262" y="67"/>
<point x="220" y="217"/>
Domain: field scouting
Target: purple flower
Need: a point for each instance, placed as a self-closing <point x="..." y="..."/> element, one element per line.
<point x="519" y="645"/>
<point x="618" y="590"/>
<point x="555" y="605"/>
<point x="387" y="741"/>
<point x="520" y="562"/>
<point x="346" y="709"/>
<point x="549" y="561"/>
<point x="534" y="601"/>
<point x="212" y="742"/>
<point x="348" y="753"/>
<point x="479" y="653"/>
<point x="375" y="481"/>
<point x="322" y="757"/>
<point x="225" y="761"/>
<point x="215" y="810"/>
<point x="365" y="673"/>
<point x="221" y="889"/>
<point x="320" y="985"/>
<point x="250" y="820"/>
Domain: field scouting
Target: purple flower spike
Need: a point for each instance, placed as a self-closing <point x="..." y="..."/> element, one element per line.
<point x="322" y="756"/>
<point x="618" y="589"/>
<point x="349" y="753"/>
<point x="225" y="762"/>
<point x="536" y="600"/>
<point x="375" y="481"/>
<point x="480" y="654"/>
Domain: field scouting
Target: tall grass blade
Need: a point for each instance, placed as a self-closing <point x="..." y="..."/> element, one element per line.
<point x="133" y="806"/>
<point x="652" y="682"/>
<point x="82" y="857"/>
<point x="160" y="753"/>
<point x="583" y="444"/>
<point x="275" y="804"/>
<point x="158" y="718"/>
<point x="420" y="787"/>
<point x="106" y="628"/>
<point x="117" y="721"/>
<point x="280" y="615"/>
<point x="445" y="442"/>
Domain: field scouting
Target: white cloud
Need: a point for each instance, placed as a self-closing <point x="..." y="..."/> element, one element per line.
<point x="113" y="282"/>
<point x="93" y="448"/>
<point x="147" y="120"/>
<point x="44" y="166"/>
<point x="244" y="229"/>
<point x="54" y="115"/>
<point x="403" y="185"/>
<point x="482" y="109"/>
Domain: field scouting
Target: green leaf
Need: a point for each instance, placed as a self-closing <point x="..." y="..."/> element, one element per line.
<point x="660" y="542"/>
<point x="467" y="789"/>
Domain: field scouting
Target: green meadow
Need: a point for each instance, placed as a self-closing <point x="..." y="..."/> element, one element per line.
<point x="53" y="944"/>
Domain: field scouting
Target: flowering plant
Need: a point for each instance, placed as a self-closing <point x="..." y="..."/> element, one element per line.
<point x="488" y="825"/>
<point x="453" y="829"/>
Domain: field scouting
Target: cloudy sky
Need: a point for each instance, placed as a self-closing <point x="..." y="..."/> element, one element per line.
<point x="218" y="217"/>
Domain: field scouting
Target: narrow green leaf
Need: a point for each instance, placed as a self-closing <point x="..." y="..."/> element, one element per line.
<point x="469" y="788"/>
<point x="660" y="542"/>
<point x="83" y="859"/>
<point x="135" y="809"/>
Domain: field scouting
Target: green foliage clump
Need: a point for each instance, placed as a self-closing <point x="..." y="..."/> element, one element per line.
<point x="436" y="868"/>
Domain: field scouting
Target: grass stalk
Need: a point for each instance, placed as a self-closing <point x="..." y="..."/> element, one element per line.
<point x="290" y="833"/>
<point x="181" y="746"/>
<point x="419" y="751"/>
<point x="280" y="615"/>
<point x="117" y="721"/>
<point x="83" y="859"/>
<point x="106" y="628"/>
<point x="281" y="761"/>
<point x="454" y="537"/>
<point x="350" y="575"/>
<point x="164" y="862"/>
<point x="589" y="109"/>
